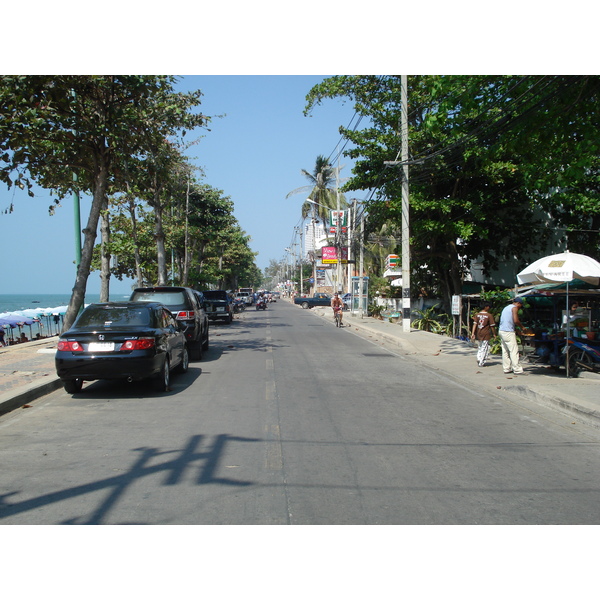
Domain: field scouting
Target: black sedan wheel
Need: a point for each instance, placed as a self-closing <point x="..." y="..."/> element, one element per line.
<point x="164" y="378"/>
<point x="72" y="386"/>
<point x="185" y="362"/>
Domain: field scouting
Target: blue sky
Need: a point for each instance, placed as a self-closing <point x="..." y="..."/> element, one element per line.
<point x="254" y="154"/>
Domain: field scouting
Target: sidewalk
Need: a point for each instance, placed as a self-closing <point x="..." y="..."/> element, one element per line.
<point x="578" y="398"/>
<point x="27" y="372"/>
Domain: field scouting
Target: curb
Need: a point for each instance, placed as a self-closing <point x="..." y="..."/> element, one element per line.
<point x="28" y="393"/>
<point x="589" y="416"/>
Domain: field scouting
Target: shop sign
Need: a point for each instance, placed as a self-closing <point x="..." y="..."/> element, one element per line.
<point x="338" y="216"/>
<point x="330" y="255"/>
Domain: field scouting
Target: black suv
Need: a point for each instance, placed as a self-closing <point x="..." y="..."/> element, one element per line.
<point x="187" y="307"/>
<point x="218" y="305"/>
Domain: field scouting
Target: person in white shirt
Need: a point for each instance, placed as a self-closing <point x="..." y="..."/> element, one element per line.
<point x="509" y="322"/>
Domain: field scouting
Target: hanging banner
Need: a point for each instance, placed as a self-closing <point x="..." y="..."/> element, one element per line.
<point x="338" y="216"/>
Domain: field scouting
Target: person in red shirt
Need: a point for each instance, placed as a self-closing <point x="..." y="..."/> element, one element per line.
<point x="483" y="331"/>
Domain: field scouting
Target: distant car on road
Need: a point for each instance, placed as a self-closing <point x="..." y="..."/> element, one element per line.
<point x="187" y="306"/>
<point x="246" y="297"/>
<point x="218" y="305"/>
<point x="121" y="340"/>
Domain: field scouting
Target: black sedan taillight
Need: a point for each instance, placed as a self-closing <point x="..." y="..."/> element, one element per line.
<point x="139" y="344"/>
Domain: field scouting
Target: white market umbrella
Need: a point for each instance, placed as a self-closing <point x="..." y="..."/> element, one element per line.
<point x="562" y="268"/>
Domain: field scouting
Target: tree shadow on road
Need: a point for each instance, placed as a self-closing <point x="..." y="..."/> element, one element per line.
<point x="201" y="454"/>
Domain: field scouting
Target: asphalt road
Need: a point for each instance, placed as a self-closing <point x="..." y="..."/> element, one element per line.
<point x="288" y="420"/>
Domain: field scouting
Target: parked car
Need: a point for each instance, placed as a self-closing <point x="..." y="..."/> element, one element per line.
<point x="347" y="299"/>
<point x="187" y="307"/>
<point x="121" y="340"/>
<point x="318" y="299"/>
<point x="218" y="305"/>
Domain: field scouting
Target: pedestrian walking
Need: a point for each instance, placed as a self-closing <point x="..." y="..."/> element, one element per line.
<point x="509" y="322"/>
<point x="483" y="331"/>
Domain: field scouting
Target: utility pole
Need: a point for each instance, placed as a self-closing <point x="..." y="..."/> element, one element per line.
<point x="405" y="203"/>
<point x="361" y="265"/>
<point x="338" y="230"/>
<point x="301" y="262"/>
<point x="405" y="207"/>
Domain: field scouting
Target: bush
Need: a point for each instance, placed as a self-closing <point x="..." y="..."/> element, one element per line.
<point x="374" y="310"/>
<point x="431" y="320"/>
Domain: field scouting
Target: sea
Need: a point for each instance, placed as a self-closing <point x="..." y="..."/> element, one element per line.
<point x="44" y="303"/>
<point x="17" y="302"/>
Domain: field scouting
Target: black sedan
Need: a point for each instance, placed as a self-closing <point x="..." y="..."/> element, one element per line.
<point x="121" y="340"/>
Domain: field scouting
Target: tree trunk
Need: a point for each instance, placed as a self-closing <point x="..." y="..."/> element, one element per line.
<point x="161" y="257"/>
<point x="186" y="252"/>
<point x="136" y="249"/>
<point x="105" y="254"/>
<point x="78" y="294"/>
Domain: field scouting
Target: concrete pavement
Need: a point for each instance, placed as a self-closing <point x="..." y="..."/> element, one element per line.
<point x="27" y="370"/>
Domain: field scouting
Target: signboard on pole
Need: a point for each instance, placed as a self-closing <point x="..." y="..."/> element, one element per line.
<point x="330" y="255"/>
<point x="456" y="305"/>
<point x="338" y="217"/>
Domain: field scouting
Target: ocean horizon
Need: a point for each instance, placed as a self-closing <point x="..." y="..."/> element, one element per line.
<point x="18" y="302"/>
<point x="47" y="325"/>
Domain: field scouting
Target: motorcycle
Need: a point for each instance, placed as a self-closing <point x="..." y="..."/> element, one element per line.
<point x="239" y="306"/>
<point x="580" y="355"/>
<point x="261" y="304"/>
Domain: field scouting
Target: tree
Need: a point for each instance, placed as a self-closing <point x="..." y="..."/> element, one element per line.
<point x="94" y="126"/>
<point x="217" y="248"/>
<point x="475" y="173"/>
<point x="323" y="189"/>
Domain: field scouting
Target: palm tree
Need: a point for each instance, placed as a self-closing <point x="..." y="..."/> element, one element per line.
<point x="322" y="190"/>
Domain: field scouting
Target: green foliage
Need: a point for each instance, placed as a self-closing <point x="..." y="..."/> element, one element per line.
<point x="498" y="299"/>
<point x="485" y="168"/>
<point x="323" y="180"/>
<point x="108" y="130"/>
<point x="431" y="319"/>
<point x="378" y="285"/>
<point x="217" y="248"/>
<point x="374" y="310"/>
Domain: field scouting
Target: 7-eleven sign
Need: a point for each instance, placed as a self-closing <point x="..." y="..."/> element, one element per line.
<point x="338" y="217"/>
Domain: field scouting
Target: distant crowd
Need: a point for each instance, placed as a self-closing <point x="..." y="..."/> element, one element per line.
<point x="19" y="340"/>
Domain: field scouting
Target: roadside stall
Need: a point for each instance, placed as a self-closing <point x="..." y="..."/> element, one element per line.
<point x="565" y="305"/>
